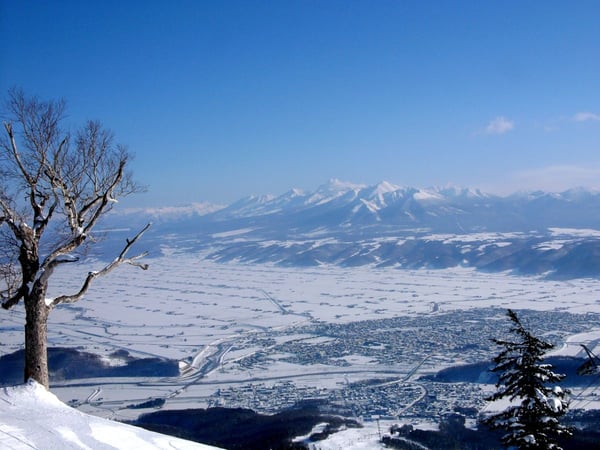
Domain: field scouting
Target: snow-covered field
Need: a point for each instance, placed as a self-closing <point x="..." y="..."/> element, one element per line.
<point x="185" y="302"/>
<point x="196" y="311"/>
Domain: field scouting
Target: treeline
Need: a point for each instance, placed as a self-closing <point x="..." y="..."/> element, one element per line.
<point x="453" y="435"/>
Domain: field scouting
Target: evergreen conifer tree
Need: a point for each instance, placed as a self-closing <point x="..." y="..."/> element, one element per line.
<point x="537" y="402"/>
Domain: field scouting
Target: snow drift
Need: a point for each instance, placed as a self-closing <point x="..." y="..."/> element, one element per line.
<point x="33" y="418"/>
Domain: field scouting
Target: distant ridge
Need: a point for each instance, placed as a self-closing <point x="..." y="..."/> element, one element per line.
<point x="443" y="209"/>
<point x="404" y="205"/>
<point x="350" y="224"/>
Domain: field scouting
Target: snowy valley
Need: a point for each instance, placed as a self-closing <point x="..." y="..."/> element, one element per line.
<point x="376" y="304"/>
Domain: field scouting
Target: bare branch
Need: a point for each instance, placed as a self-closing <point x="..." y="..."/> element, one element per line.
<point x="16" y="155"/>
<point x="8" y="217"/>
<point x="37" y="124"/>
<point x="12" y="301"/>
<point x="103" y="200"/>
<point x="79" y="228"/>
<point x="121" y="259"/>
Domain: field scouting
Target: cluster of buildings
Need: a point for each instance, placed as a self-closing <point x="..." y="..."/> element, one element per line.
<point x="389" y="360"/>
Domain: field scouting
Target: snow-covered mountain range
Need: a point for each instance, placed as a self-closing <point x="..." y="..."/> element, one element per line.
<point x="340" y="205"/>
<point x="348" y="224"/>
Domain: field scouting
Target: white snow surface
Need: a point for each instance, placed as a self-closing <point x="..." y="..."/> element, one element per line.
<point x="366" y="438"/>
<point x="194" y="310"/>
<point x="350" y="439"/>
<point x="33" y="418"/>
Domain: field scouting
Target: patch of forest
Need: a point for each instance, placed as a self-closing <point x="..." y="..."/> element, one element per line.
<point x="70" y="364"/>
<point x="481" y="372"/>
<point x="244" y="429"/>
<point x="453" y="434"/>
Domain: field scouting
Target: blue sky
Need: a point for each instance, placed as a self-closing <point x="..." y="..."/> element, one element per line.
<point x="222" y="99"/>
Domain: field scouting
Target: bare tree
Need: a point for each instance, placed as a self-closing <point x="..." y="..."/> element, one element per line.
<point x="54" y="188"/>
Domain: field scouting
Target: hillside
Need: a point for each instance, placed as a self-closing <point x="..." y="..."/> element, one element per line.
<point x="33" y="418"/>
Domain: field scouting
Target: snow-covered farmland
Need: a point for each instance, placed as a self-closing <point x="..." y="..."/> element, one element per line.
<point x="185" y="302"/>
<point x="216" y="317"/>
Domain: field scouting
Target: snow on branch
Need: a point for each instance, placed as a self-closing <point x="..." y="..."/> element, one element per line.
<point x="91" y="276"/>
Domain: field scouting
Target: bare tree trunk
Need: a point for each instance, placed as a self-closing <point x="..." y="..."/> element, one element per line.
<point x="36" y="350"/>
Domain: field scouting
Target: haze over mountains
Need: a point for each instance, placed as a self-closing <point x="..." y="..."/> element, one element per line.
<point x="556" y="234"/>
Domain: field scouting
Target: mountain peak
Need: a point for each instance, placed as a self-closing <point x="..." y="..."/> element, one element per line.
<point x="334" y="188"/>
<point x="295" y="192"/>
<point x="384" y="187"/>
<point x="458" y="191"/>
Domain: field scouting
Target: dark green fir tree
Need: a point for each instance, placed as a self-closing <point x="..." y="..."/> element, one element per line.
<point x="536" y="401"/>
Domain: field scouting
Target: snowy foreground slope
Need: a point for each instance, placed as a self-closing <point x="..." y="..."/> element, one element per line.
<point x="33" y="418"/>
